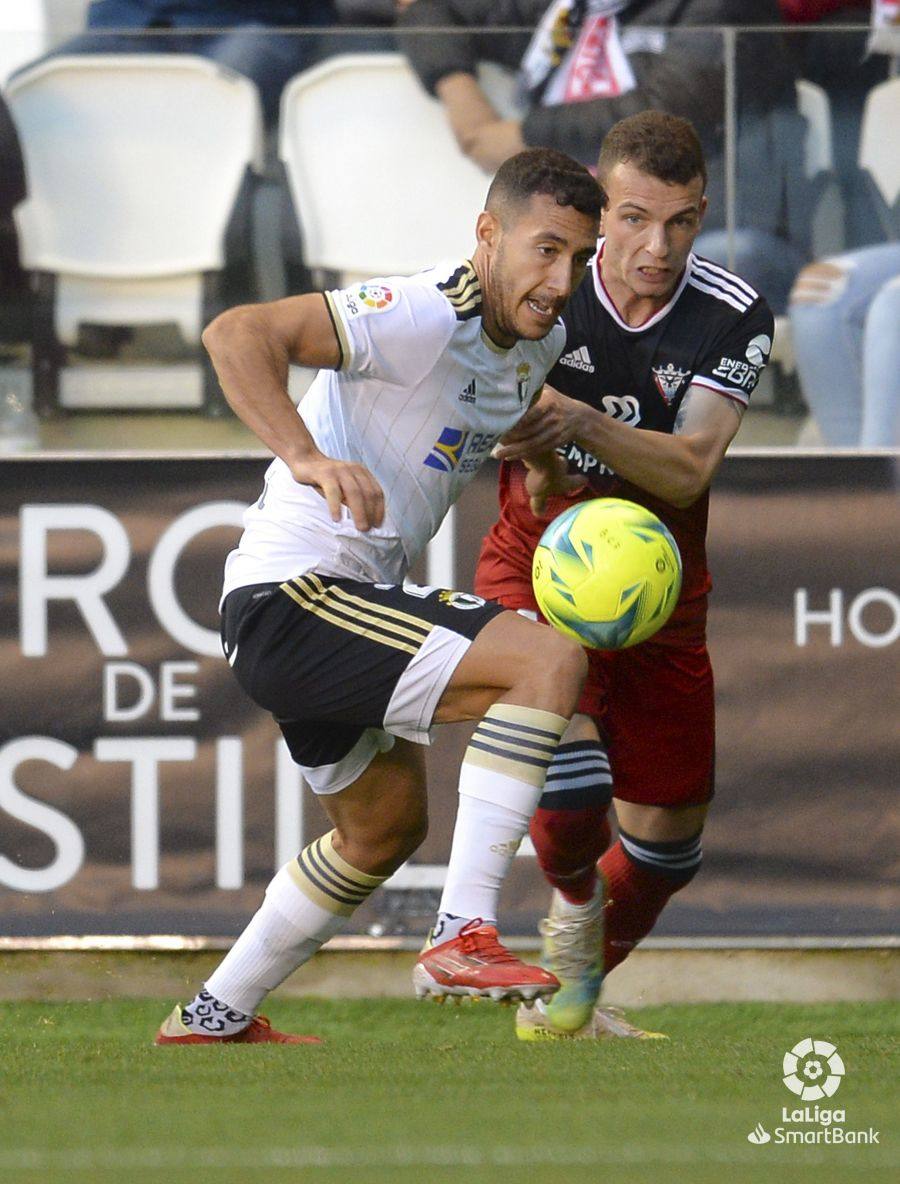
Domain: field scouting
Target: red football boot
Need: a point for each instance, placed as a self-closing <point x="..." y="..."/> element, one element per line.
<point x="259" y="1031"/>
<point x="475" y="963"/>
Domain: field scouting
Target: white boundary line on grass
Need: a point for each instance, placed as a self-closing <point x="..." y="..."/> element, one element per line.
<point x="178" y="944"/>
<point x="81" y="1159"/>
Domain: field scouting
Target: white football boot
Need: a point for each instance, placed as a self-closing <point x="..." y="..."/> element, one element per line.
<point x="606" y="1023"/>
<point x="573" y="952"/>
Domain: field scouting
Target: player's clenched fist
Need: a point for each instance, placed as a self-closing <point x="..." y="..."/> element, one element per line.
<point x="550" y="423"/>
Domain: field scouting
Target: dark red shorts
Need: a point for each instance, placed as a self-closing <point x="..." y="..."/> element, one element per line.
<point x="655" y="707"/>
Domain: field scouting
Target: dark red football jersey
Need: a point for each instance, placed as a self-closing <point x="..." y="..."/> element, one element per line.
<point x="715" y="332"/>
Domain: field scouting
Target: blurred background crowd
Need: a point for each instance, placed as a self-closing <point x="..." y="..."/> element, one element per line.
<point x="161" y="159"/>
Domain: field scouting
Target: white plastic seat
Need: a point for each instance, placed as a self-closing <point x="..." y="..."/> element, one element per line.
<point x="826" y="232"/>
<point x="879" y="152"/>
<point x="23" y="34"/>
<point x="378" y="182"/>
<point x="134" y="165"/>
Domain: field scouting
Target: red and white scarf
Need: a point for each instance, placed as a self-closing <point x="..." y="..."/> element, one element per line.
<point x="576" y="54"/>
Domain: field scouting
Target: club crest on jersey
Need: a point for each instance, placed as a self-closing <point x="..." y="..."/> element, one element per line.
<point x="447" y="450"/>
<point x="523" y="375"/>
<point x="668" y="380"/>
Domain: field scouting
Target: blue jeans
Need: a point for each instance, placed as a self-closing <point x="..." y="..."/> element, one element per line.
<point x="847" y="341"/>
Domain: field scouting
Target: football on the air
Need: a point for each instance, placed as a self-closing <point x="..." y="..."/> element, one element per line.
<point x="607" y="573"/>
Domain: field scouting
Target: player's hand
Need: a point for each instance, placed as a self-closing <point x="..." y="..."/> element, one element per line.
<point x="344" y="483"/>
<point x="548" y="475"/>
<point x="550" y="423"/>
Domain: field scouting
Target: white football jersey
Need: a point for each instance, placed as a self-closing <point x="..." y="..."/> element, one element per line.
<point x="421" y="397"/>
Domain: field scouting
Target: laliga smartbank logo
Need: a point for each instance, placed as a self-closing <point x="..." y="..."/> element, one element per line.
<point x="813" y="1069"/>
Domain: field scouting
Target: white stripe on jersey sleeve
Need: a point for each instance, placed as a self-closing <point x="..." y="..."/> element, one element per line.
<point x="740" y="304"/>
<point x="715" y="270"/>
<point x="729" y="392"/>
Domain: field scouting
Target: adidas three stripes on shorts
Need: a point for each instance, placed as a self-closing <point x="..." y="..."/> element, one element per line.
<point x="342" y="664"/>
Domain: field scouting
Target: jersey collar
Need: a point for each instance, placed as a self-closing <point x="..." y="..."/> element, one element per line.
<point x="606" y="300"/>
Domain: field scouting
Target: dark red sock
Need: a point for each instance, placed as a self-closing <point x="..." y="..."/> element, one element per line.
<point x="635" y="898"/>
<point x="568" y="844"/>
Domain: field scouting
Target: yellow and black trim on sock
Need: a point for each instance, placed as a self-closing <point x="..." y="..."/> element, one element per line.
<point x="328" y="880"/>
<point x="516" y="741"/>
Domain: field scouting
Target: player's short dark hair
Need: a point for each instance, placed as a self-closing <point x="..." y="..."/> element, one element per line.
<point x="549" y="172"/>
<point x="661" y="145"/>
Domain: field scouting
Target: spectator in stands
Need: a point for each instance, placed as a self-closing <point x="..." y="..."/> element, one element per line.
<point x="845" y="315"/>
<point x="242" y="38"/>
<point x="837" y="59"/>
<point x="14" y="292"/>
<point x="592" y="62"/>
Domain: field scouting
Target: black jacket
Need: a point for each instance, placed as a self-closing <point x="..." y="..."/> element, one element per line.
<point x="687" y="78"/>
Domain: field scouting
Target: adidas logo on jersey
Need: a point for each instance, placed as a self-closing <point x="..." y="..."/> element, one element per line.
<point x="578" y="359"/>
<point x="467" y="394"/>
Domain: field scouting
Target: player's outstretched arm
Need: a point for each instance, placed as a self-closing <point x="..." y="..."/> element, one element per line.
<point x="252" y="347"/>
<point x="677" y="468"/>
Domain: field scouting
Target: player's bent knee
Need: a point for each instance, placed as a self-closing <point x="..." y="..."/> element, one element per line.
<point x="395" y="835"/>
<point x="559" y="659"/>
<point x="383" y="847"/>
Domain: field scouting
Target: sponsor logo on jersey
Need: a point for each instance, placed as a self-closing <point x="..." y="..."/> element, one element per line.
<point x="578" y="359"/>
<point x="447" y="450"/>
<point x="366" y="298"/>
<point x="459" y="449"/>
<point x="668" y="380"/>
<point x="467" y="394"/>
<point x="758" y="350"/>
<point x="523" y="375"/>
<point x="738" y="373"/>
<point x="375" y="296"/>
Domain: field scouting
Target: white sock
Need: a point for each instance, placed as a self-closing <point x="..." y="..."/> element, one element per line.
<point x="211" y="1017"/>
<point x="305" y="904"/>
<point x="562" y="907"/>
<point x="447" y="927"/>
<point x="500" y="783"/>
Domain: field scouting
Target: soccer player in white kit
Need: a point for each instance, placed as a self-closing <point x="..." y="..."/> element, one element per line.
<point x="419" y="377"/>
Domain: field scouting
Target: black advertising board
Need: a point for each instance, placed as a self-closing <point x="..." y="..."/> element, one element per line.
<point x="141" y="793"/>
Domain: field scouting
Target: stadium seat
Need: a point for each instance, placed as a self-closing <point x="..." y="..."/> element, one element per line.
<point x="135" y="166"/>
<point x="23" y="34"/>
<point x="378" y="182"/>
<point x="879" y="153"/>
<point x="827" y="229"/>
<point x="827" y="232"/>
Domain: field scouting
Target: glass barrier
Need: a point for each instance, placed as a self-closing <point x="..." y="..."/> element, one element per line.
<point x="140" y="196"/>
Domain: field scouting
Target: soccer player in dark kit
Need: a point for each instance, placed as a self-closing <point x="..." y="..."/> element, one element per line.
<point x="663" y="351"/>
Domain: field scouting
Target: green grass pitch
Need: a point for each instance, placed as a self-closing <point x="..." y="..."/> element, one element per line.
<point x="405" y="1092"/>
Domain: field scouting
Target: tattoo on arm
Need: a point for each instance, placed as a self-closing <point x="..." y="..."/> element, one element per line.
<point x="695" y="412"/>
<point x="680" y="417"/>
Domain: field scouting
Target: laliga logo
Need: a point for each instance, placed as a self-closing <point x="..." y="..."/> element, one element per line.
<point x="813" y="1069"/>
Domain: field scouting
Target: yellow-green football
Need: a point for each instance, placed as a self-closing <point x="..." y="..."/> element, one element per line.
<point x="607" y="573"/>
